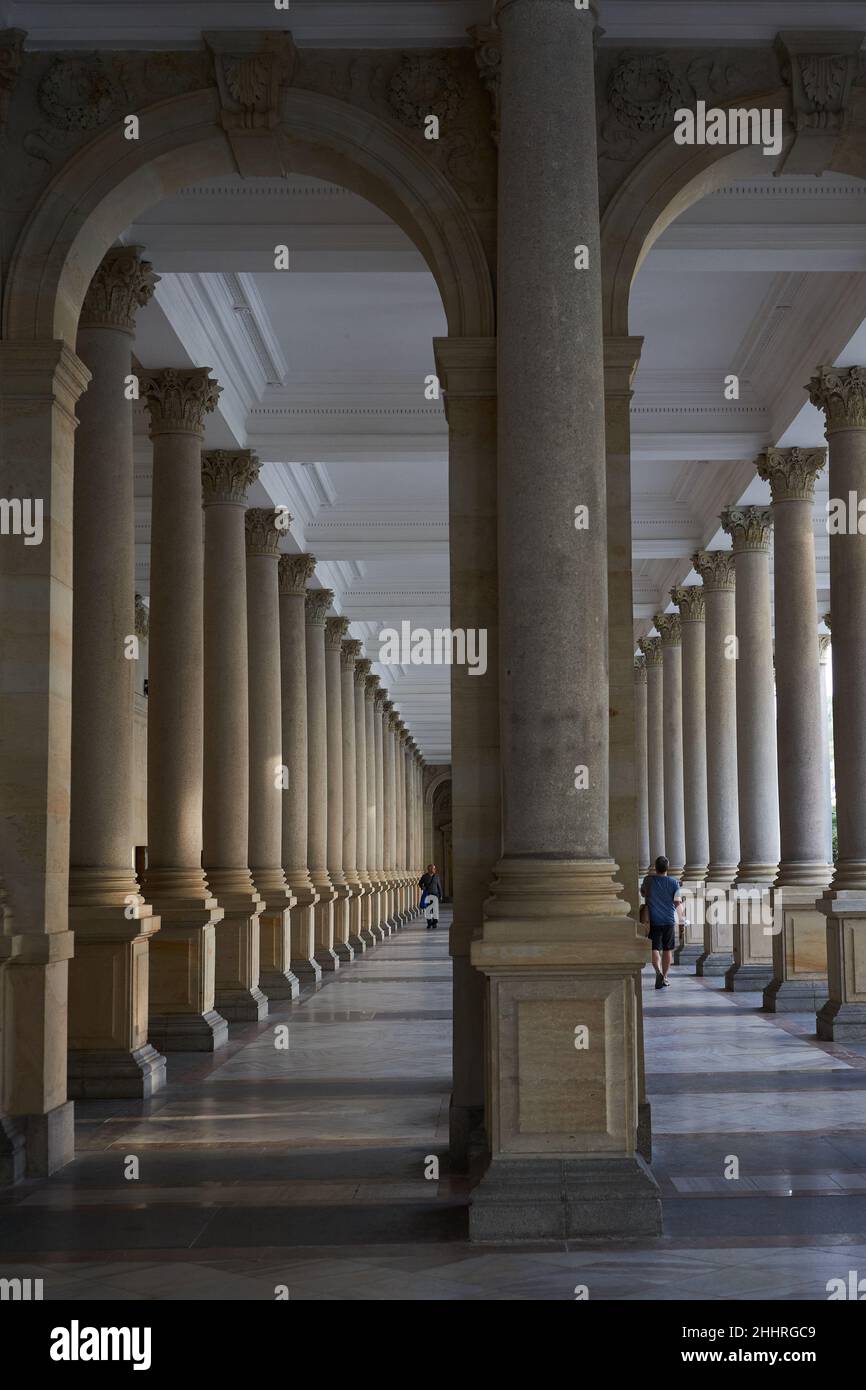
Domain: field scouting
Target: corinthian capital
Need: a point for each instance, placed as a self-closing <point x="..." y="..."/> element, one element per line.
<point x="652" y="650"/>
<point x="689" y="599"/>
<point x="350" y="650"/>
<point x="122" y="284"/>
<point x="827" y="622"/>
<point x="294" y="571"/>
<point x="318" y="602"/>
<point x="226" y="474"/>
<point x="380" y="697"/>
<point x="640" y="670"/>
<point x="716" y="568"/>
<point x="362" y="671"/>
<point x="178" y="398"/>
<point x="372" y="684"/>
<point x="841" y="393"/>
<point x="142" y="618"/>
<point x="824" y="640"/>
<point x="749" y="527"/>
<point x="791" y="473"/>
<point x="668" y="625"/>
<point x="335" y="630"/>
<point x="265" y="529"/>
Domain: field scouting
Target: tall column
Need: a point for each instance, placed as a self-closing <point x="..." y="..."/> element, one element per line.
<point x="226" y="475"/>
<point x="750" y="529"/>
<point x="109" y="1054"/>
<point x="640" y="760"/>
<point x="389" y="792"/>
<point x="293" y="572"/>
<point x="265" y="529"/>
<point x="558" y="947"/>
<point x="379" y="699"/>
<point x="350" y="650"/>
<point x="799" y="979"/>
<point x="400" y="821"/>
<point x="824" y="641"/>
<point x="689" y="599"/>
<point x="841" y="394"/>
<point x="668" y="625"/>
<point x="182" y="978"/>
<point x="362" y="808"/>
<point x="318" y="602"/>
<point x="374" y="809"/>
<point x="335" y="631"/>
<point x="652" y="652"/>
<point x="716" y="568"/>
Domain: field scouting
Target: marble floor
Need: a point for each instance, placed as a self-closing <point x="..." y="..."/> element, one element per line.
<point x="312" y="1168"/>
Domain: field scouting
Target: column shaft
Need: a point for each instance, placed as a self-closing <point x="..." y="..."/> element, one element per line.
<point x="690" y="601"/>
<point x="652" y="651"/>
<point x="318" y="601"/>
<point x="640" y="760"/>
<point x="335" y="631"/>
<point x="668" y="625"/>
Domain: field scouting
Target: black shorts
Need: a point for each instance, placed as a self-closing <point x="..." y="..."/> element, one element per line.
<point x="663" y="938"/>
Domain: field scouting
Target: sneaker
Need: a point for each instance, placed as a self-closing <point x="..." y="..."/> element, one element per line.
<point x="666" y="984"/>
<point x="660" y="982"/>
<point x="435" y="924"/>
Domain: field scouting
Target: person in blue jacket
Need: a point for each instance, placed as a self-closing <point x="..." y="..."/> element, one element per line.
<point x="431" y="889"/>
<point x="663" y="899"/>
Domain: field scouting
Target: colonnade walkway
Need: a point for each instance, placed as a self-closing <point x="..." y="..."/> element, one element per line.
<point x="304" y="1167"/>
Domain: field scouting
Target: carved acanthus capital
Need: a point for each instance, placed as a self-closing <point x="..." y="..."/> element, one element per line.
<point x="362" y="671"/>
<point x="488" y="60"/>
<point x="640" y="670"/>
<point x="265" y="529"/>
<point x="824" y="640"/>
<point x="318" y="601"/>
<point x="669" y="627"/>
<point x="226" y="474"/>
<point x="121" y="285"/>
<point x="11" y="41"/>
<point x="372" y="684"/>
<point x="142" y="618"/>
<point x="716" y="568"/>
<point x="335" y="630"/>
<point x="380" y="697"/>
<point x="827" y="622"/>
<point x="250" y="67"/>
<point x="690" y="600"/>
<point x="652" y="650"/>
<point x="841" y="393"/>
<point x="294" y="571"/>
<point x="820" y="68"/>
<point x="750" y="528"/>
<point x="791" y="473"/>
<point x="178" y="398"/>
<point x="350" y="650"/>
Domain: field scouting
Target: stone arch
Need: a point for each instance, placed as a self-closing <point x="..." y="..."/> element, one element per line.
<point x="668" y="180"/>
<point x="109" y="182"/>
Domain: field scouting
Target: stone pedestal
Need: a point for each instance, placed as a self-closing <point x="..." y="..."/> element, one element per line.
<point x="690" y="946"/>
<point x="751" y="912"/>
<point x="799" y="945"/>
<point x="717" y="956"/>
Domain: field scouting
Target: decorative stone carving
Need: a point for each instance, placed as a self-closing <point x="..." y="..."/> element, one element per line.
<point x="640" y="670"/>
<point x="652" y="650"/>
<point x="294" y="572"/>
<point x="824" y="640"/>
<point x="827" y="622"/>
<point x="318" y="602"/>
<point x="178" y="398"/>
<point x="820" y="68"/>
<point x="122" y="284"/>
<point x="250" y="67"/>
<point x="488" y="60"/>
<point x="749" y="527"/>
<point x="227" y="473"/>
<point x="668" y="625"/>
<point x="350" y="650"/>
<point x="263" y="533"/>
<point x="424" y="85"/>
<point x="142" y="618"/>
<point x="362" y="670"/>
<point x="716" y="568"/>
<point x="791" y="473"/>
<point x="11" y="41"/>
<point x="644" y="91"/>
<point x="380" y="697"/>
<point x="691" y="602"/>
<point x="335" y="630"/>
<point x="80" y="93"/>
<point x="841" y="393"/>
<point x="372" y="684"/>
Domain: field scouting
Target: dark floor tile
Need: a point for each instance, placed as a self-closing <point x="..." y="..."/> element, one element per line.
<point x="327" y="1226"/>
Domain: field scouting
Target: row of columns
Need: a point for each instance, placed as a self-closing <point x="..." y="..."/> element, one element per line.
<point x="284" y="793"/>
<point x="733" y="756"/>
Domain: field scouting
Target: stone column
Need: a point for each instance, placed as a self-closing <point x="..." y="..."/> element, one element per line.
<point x="109" y="1054"/>
<point x="716" y="568"/>
<point x="350" y="650"/>
<point x="335" y="631"/>
<point x="689" y="599"/>
<point x="374" y="809"/>
<point x="841" y="394"/>
<point x="824" y="641"/>
<point x="652" y="652"/>
<point x="293" y="572"/>
<point x="750" y="529"/>
<point x="399" y="819"/>
<point x="318" y="602"/>
<point x="799" y="979"/>
<point x="640" y="759"/>
<point x="269" y="780"/>
<point x="226" y="475"/>
<point x="362" y="807"/>
<point x="668" y="625"/>
<point x="389" y="793"/>
<point x="40" y="383"/>
<point x="379" y="699"/>
<point x="182" y="978"/>
<point x="558" y="948"/>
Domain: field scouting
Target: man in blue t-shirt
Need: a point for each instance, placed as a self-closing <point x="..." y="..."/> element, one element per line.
<point x="663" y="900"/>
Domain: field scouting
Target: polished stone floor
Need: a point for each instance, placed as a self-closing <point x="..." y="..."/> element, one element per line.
<point x="311" y="1167"/>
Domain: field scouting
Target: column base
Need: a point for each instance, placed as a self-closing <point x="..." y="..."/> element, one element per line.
<point x="279" y="985"/>
<point x="840" y="1021"/>
<point x="241" y="1005"/>
<point x="327" y="960"/>
<point x="183" y="1032"/>
<point x="112" y="1074"/>
<point x="795" y="996"/>
<point x="714" y="963"/>
<point x="799" y="983"/>
<point x="303" y="932"/>
<point x="553" y="1199"/>
<point x="645" y="1131"/>
<point x="345" y="952"/>
<point x="13" y="1152"/>
<point x="748" y="977"/>
<point x="464" y="1121"/>
<point x="688" y="953"/>
<point x="276" y="979"/>
<point x="35" y="1146"/>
